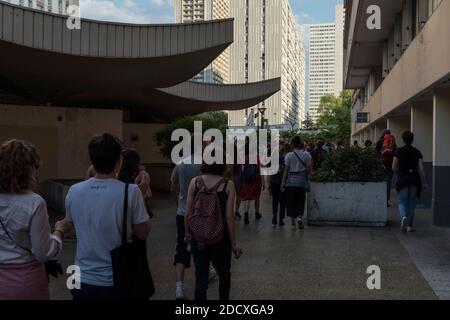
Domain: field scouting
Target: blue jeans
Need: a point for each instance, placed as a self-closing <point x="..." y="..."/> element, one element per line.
<point x="407" y="203"/>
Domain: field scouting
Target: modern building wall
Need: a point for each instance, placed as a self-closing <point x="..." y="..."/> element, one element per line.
<point x="268" y="44"/>
<point x="326" y="43"/>
<point x="403" y="83"/>
<point x="188" y="11"/>
<point x="55" y="6"/>
<point x="61" y="135"/>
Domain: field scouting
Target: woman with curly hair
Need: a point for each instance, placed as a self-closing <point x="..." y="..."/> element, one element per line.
<point x="26" y="241"/>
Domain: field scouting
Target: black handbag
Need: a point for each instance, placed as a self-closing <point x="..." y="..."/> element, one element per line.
<point x="52" y="267"/>
<point x="131" y="272"/>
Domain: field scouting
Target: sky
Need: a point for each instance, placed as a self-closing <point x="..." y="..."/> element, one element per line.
<point x="161" y="11"/>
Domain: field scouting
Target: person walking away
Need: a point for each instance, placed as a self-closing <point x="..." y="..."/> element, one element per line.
<point x="182" y="175"/>
<point x="131" y="169"/>
<point x="368" y="143"/>
<point x="238" y="181"/>
<point x="318" y="155"/>
<point x="253" y="184"/>
<point x="278" y="202"/>
<point x="94" y="209"/>
<point x="298" y="165"/>
<point x="210" y="228"/>
<point x="386" y="148"/>
<point x="408" y="164"/>
<point x="26" y="241"/>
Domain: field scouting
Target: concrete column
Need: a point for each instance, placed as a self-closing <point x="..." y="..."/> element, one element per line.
<point x="398" y="126"/>
<point x="422" y="127"/>
<point x="441" y="159"/>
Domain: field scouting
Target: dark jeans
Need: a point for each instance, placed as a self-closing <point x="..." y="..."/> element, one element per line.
<point x="278" y="201"/>
<point x="295" y="201"/>
<point x="90" y="292"/>
<point x="220" y="256"/>
<point x="182" y="254"/>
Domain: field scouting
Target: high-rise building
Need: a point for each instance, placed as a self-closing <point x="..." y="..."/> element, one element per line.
<point x="188" y="11"/>
<point x="326" y="47"/>
<point x="268" y="44"/>
<point x="54" y="6"/>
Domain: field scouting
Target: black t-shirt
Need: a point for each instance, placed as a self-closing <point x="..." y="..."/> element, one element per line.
<point x="408" y="157"/>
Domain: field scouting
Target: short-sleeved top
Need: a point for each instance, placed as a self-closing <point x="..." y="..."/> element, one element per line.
<point x="296" y="168"/>
<point x="182" y="175"/>
<point x="95" y="207"/>
<point x="408" y="157"/>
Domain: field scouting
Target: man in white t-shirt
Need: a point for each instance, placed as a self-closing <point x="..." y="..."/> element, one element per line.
<point x="95" y="209"/>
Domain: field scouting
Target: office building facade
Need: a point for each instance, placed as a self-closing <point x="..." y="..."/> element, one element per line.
<point x="268" y="44"/>
<point x="54" y="6"/>
<point x="325" y="60"/>
<point x="189" y="11"/>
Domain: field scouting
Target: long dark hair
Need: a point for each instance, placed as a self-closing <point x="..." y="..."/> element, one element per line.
<point x="130" y="166"/>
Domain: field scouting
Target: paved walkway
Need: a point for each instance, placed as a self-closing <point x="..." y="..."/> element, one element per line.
<point x="316" y="263"/>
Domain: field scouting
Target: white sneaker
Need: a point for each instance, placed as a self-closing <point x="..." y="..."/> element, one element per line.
<point x="404" y="225"/>
<point x="179" y="294"/>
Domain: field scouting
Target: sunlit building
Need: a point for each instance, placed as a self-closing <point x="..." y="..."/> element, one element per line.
<point x="189" y="11"/>
<point x="268" y="44"/>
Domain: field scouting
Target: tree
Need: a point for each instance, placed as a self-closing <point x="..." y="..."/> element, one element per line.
<point x="308" y="123"/>
<point x="210" y="120"/>
<point x="335" y="116"/>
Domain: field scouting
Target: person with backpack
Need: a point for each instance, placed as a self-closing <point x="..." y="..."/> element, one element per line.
<point x="386" y="148"/>
<point x="278" y="202"/>
<point x="411" y="179"/>
<point x="210" y="228"/>
<point x="95" y="210"/>
<point x="295" y="184"/>
<point x="253" y="185"/>
<point x="26" y="239"/>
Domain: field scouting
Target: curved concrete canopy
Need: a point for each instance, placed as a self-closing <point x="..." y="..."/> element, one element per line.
<point x="38" y="44"/>
<point x="115" y="65"/>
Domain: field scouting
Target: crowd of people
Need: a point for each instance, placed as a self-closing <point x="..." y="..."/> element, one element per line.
<point x="208" y="199"/>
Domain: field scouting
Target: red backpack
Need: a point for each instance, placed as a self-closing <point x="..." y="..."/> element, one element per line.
<point x="206" y="222"/>
<point x="387" y="152"/>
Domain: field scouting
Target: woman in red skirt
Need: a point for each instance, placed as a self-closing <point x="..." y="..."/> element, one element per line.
<point x="253" y="185"/>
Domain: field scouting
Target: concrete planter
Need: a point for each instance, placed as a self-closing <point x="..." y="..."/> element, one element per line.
<point x="348" y="204"/>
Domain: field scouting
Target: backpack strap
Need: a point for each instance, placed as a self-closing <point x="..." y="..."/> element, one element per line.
<point x="125" y="217"/>
<point x="199" y="182"/>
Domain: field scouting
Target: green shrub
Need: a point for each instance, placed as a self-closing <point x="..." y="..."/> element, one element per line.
<point x="351" y="164"/>
<point x="210" y="120"/>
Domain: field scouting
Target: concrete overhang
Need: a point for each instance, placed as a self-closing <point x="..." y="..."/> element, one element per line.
<point x="116" y="65"/>
<point x="364" y="47"/>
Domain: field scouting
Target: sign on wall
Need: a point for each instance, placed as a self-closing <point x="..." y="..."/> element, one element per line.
<point x="362" y="117"/>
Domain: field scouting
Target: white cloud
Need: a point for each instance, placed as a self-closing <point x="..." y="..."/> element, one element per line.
<point x="107" y="10"/>
<point x="162" y="3"/>
<point x="127" y="11"/>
